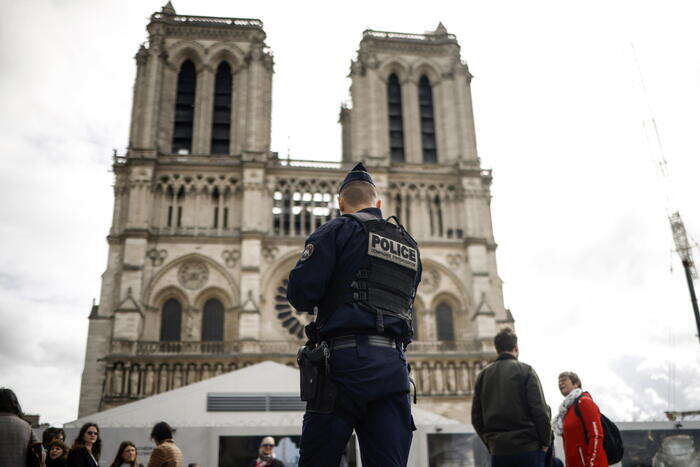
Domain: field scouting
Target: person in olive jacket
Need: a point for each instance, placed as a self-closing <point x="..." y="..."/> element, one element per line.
<point x="509" y="412"/>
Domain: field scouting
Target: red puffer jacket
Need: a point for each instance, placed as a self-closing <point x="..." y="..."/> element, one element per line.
<point x="580" y="453"/>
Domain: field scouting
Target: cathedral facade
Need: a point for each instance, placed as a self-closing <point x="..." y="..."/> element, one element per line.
<point x="208" y="221"/>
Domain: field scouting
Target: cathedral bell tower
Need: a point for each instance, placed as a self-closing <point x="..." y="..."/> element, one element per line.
<point x="411" y="120"/>
<point x="411" y="100"/>
<point x="186" y="194"/>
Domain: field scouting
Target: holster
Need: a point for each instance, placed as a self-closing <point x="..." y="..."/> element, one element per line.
<point x="316" y="387"/>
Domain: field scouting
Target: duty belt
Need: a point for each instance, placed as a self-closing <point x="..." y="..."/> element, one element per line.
<point x="346" y="342"/>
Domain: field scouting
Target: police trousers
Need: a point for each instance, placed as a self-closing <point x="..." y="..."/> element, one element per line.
<point x="373" y="400"/>
<point x="384" y="435"/>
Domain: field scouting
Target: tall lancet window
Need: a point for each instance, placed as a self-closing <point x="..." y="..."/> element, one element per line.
<point x="427" y="120"/>
<point x="445" y="327"/>
<point x="184" y="109"/>
<point x="395" y="119"/>
<point x="213" y="321"/>
<point x="221" y="126"/>
<point x="170" y="320"/>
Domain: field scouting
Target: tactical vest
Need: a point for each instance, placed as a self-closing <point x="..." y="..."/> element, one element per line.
<point x="384" y="283"/>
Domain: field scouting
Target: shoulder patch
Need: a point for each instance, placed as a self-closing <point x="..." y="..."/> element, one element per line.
<point x="308" y="251"/>
<point x="391" y="250"/>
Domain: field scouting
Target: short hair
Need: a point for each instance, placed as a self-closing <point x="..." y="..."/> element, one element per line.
<point x="505" y="340"/>
<point x="161" y="431"/>
<point x="573" y="377"/>
<point x="359" y="193"/>
<point x="50" y="434"/>
<point x="60" y="444"/>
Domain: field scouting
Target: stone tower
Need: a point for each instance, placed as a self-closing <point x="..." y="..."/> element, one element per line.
<point x="411" y="119"/>
<point x="208" y="221"/>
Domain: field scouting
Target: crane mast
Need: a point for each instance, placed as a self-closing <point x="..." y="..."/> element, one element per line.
<point x="685" y="251"/>
<point x="684" y="248"/>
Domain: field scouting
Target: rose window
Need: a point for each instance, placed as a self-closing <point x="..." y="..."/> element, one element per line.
<point x="291" y="319"/>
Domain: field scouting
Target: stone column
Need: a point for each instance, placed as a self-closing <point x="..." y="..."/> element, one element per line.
<point x="360" y="118"/>
<point x="204" y="106"/>
<point x="411" y="121"/>
<point x="464" y="81"/>
<point x="258" y="100"/>
<point x="152" y="101"/>
<point x="139" y="96"/>
<point x="239" y="109"/>
<point x="450" y="121"/>
<point x="255" y="220"/>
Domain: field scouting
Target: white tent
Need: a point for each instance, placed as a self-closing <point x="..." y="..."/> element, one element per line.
<point x="200" y="423"/>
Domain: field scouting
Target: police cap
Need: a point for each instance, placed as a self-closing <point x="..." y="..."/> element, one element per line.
<point x="357" y="174"/>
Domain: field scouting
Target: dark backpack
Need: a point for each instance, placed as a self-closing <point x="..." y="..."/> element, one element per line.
<point x="612" y="441"/>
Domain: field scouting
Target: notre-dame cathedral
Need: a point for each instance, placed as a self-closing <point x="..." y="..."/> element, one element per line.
<point x="208" y="221"/>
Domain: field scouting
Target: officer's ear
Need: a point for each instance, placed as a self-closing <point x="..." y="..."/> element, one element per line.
<point x="378" y="204"/>
<point x="341" y="204"/>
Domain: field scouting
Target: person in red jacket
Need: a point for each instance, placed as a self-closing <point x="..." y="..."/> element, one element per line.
<point x="583" y="435"/>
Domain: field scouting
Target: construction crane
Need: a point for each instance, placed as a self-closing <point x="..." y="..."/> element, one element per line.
<point x="684" y="247"/>
<point x="685" y="251"/>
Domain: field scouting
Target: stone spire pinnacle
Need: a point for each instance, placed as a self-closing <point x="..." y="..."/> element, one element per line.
<point x="168" y="9"/>
<point x="441" y="29"/>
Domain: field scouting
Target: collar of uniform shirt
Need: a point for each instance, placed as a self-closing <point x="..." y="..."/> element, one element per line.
<point x="373" y="211"/>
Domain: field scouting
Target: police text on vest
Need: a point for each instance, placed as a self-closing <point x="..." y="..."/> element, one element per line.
<point x="391" y="250"/>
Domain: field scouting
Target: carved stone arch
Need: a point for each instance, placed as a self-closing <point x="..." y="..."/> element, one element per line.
<point x="449" y="298"/>
<point x="181" y="51"/>
<point x="226" y="51"/>
<point x="217" y="293"/>
<point x="429" y="68"/>
<point x="149" y="290"/>
<point x="165" y="294"/>
<point x="467" y="300"/>
<point x="398" y="66"/>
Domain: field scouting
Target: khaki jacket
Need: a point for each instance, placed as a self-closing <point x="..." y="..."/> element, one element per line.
<point x="509" y="412"/>
<point x="166" y="455"/>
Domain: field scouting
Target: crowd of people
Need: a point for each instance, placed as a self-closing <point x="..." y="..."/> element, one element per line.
<point x="19" y="445"/>
<point x="512" y="418"/>
<point x="509" y="413"/>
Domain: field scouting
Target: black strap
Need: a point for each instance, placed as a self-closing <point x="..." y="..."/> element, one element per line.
<point x="580" y="416"/>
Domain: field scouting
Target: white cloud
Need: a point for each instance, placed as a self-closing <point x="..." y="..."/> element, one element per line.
<point x="584" y="247"/>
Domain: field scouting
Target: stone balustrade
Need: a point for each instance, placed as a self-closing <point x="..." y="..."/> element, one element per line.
<point x="170" y="365"/>
<point x="369" y="33"/>
<point x="184" y="348"/>
<point x="164" y="348"/>
<point x="129" y="379"/>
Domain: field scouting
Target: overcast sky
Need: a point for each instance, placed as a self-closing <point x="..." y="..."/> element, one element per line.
<point x="585" y="249"/>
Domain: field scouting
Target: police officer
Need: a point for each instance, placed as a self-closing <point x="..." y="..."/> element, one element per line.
<point x="358" y="274"/>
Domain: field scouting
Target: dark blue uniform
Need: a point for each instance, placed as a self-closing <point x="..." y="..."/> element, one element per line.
<point x="372" y="380"/>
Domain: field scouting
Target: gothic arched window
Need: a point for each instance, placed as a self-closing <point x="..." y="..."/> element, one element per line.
<point x="213" y="321"/>
<point x="427" y="120"/>
<point x="221" y="122"/>
<point x="215" y="197"/>
<point x="445" y="327"/>
<point x="170" y="199"/>
<point x="171" y="320"/>
<point x="184" y="109"/>
<point x="395" y="119"/>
